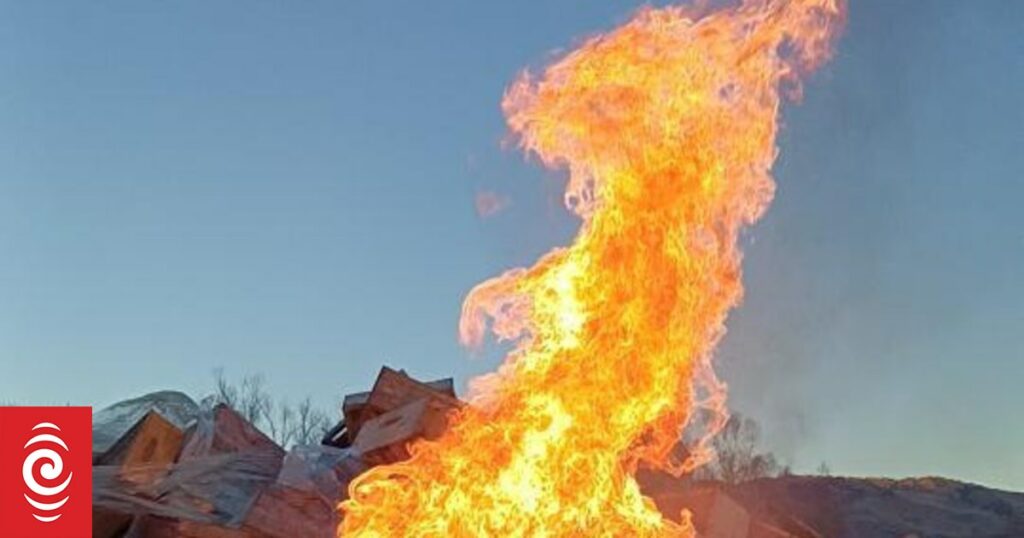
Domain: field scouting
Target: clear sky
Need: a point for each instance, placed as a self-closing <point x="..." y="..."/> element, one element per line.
<point x="288" y="188"/>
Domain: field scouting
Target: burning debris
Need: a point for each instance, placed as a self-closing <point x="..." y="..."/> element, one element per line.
<point x="168" y="468"/>
<point x="209" y="473"/>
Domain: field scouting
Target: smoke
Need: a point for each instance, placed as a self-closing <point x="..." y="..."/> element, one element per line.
<point x="489" y="204"/>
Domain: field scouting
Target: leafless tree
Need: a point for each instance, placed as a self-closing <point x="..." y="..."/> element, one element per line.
<point x="737" y="457"/>
<point x="282" y="427"/>
<point x="311" y="423"/>
<point x="254" y="403"/>
<point x="285" y="424"/>
<point x="226" y="392"/>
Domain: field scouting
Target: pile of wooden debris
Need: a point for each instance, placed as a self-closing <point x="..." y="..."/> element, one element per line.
<point x="379" y="424"/>
<point x="163" y="470"/>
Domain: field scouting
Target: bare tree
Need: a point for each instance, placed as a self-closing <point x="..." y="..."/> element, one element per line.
<point x="283" y="426"/>
<point x="311" y="423"/>
<point x="226" y="392"/>
<point x="283" y="423"/>
<point x="737" y="457"/>
<point x="824" y="469"/>
<point x="254" y="403"/>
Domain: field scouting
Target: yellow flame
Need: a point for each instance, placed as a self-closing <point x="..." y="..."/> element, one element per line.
<point x="667" y="127"/>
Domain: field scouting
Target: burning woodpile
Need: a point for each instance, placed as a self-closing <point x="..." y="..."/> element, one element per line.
<point x="171" y="468"/>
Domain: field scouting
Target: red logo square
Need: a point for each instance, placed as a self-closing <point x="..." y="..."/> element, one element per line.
<point x="45" y="472"/>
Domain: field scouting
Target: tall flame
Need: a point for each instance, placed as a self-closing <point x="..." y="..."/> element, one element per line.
<point x="666" y="126"/>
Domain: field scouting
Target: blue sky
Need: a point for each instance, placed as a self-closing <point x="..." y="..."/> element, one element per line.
<point x="288" y="189"/>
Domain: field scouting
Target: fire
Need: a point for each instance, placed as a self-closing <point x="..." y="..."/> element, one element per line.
<point x="667" y="127"/>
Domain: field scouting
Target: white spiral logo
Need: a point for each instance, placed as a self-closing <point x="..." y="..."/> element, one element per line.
<point x="50" y="470"/>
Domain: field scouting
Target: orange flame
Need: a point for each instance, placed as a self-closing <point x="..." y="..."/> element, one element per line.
<point x="667" y="128"/>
